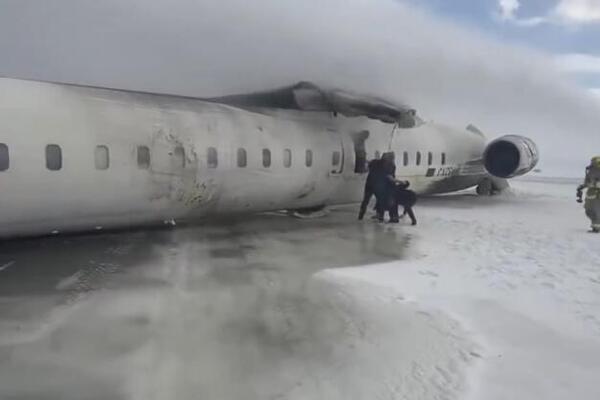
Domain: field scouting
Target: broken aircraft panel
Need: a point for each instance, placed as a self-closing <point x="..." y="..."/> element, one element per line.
<point x="307" y="96"/>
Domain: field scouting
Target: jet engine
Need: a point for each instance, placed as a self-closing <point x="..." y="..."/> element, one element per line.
<point x="510" y="156"/>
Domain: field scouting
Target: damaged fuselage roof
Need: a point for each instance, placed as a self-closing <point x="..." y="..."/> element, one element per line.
<point x="306" y="96"/>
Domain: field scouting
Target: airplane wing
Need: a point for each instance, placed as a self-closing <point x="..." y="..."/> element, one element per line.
<point x="307" y="96"/>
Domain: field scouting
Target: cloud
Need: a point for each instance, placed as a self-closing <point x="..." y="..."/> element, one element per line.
<point x="508" y="8"/>
<point x="579" y="63"/>
<point x="508" y="13"/>
<point x="385" y="48"/>
<point x="565" y="12"/>
<point x="578" y="11"/>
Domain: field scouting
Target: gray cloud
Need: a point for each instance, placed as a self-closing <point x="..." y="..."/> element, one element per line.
<point x="387" y="48"/>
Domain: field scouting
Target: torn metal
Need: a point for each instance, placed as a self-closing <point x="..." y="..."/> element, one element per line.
<point x="307" y="96"/>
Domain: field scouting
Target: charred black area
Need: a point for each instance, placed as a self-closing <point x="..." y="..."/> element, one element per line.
<point x="502" y="159"/>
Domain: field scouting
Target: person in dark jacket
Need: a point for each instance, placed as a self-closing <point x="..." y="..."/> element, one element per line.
<point x="375" y="171"/>
<point x="380" y="182"/>
<point x="385" y="186"/>
<point x="407" y="199"/>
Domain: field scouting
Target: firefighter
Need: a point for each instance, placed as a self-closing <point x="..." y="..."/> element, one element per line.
<point x="592" y="197"/>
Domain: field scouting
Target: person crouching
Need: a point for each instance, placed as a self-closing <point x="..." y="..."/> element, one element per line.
<point x="406" y="198"/>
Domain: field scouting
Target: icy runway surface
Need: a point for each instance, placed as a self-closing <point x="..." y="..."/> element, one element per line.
<point x="488" y="298"/>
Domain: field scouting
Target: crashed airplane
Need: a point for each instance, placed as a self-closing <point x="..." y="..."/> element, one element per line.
<point x="77" y="158"/>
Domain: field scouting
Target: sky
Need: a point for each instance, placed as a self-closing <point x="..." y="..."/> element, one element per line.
<point x="569" y="30"/>
<point x="524" y="67"/>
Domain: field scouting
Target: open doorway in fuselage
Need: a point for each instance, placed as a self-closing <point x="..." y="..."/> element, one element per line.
<point x="337" y="155"/>
<point x="360" y="152"/>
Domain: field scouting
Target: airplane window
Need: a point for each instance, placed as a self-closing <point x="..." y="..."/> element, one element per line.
<point x="418" y="158"/>
<point x="4" y="159"/>
<point x="266" y="156"/>
<point x="429" y="158"/>
<point x="443" y="158"/>
<point x="179" y="155"/>
<point x="287" y="158"/>
<point x="143" y="157"/>
<point x="53" y="157"/>
<point x="336" y="158"/>
<point x="405" y="159"/>
<point x="309" y="158"/>
<point x="242" y="159"/>
<point x="212" y="157"/>
<point x="101" y="157"/>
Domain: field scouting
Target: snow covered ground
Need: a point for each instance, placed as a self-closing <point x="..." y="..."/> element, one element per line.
<point x="521" y="275"/>
<point x="487" y="298"/>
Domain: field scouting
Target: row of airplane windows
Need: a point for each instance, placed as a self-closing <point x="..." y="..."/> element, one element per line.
<point x="418" y="159"/>
<point x="102" y="157"/>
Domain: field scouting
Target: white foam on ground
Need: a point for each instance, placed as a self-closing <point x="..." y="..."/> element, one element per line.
<point x="326" y="338"/>
<point x="498" y="299"/>
<point x="347" y="341"/>
<point x="523" y="274"/>
<point x="6" y="265"/>
<point x="70" y="281"/>
<point x="276" y="336"/>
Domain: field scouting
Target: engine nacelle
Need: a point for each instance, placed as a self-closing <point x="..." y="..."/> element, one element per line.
<point x="510" y="156"/>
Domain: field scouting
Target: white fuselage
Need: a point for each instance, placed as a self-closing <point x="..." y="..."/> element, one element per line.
<point x="117" y="185"/>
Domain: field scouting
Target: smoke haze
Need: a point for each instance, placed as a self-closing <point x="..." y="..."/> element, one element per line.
<point x="387" y="48"/>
